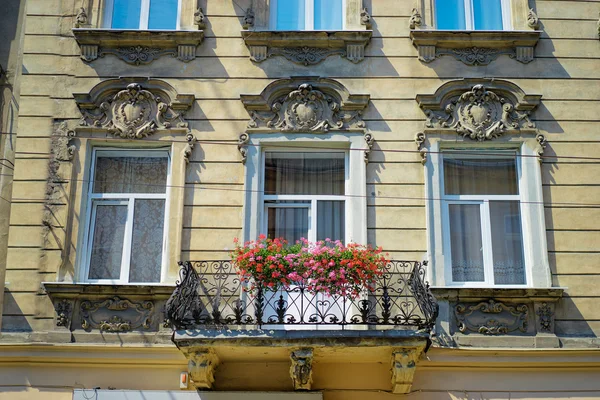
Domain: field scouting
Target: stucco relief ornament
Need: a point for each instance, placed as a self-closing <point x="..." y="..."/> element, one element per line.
<point x="248" y="18"/>
<point x="545" y="314"/>
<point x="532" y="19"/>
<point x="81" y="18"/>
<point x="199" y="18"/>
<point x="415" y="19"/>
<point x="116" y="314"/>
<point x="305" y="55"/>
<point x="491" y="318"/>
<point x="365" y="17"/>
<point x="133" y="113"/>
<point x="479" y="114"/>
<point x="307" y="110"/>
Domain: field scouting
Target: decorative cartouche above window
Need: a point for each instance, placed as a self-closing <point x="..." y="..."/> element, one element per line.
<point x="479" y="109"/>
<point x="304" y="33"/>
<point x="474" y="36"/>
<point x="305" y="105"/>
<point x="134" y="108"/>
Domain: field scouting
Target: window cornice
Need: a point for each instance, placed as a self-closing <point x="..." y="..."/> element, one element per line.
<point x="137" y="46"/>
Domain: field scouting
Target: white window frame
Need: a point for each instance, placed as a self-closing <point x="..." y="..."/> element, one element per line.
<point x="484" y="207"/>
<point x="355" y="188"/>
<point x="309" y="15"/>
<point x="93" y="199"/>
<point x="312" y="206"/>
<point x="470" y="18"/>
<point x="533" y="226"/>
<point x="144" y="15"/>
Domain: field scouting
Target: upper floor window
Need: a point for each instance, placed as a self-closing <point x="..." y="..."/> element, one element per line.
<point x="126" y="216"/>
<point x="482" y="219"/>
<point x="487" y="15"/>
<point x="305" y="195"/>
<point x="307" y="15"/>
<point x="142" y="14"/>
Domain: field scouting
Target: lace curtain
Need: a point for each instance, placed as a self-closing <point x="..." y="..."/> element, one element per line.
<point x="130" y="175"/>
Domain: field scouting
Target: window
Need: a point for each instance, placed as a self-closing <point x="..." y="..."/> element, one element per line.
<point x="142" y="14"/>
<point x="126" y="216"/>
<point x="304" y="195"/>
<point x="487" y="15"/>
<point x="300" y="15"/>
<point x="483" y="228"/>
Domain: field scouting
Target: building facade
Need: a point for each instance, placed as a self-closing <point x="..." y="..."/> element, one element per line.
<point x="140" y="138"/>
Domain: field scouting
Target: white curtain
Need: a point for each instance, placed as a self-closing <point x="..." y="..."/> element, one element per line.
<point x="147" y="241"/>
<point x="507" y="242"/>
<point x="107" y="243"/>
<point x="466" y="243"/>
<point x="288" y="223"/>
<point x="493" y="176"/>
<point x="130" y="175"/>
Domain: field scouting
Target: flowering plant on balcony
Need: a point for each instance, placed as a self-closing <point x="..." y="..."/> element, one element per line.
<point x="327" y="267"/>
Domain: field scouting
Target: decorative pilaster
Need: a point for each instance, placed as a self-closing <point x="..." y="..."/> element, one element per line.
<point x="301" y="369"/>
<point x="201" y="367"/>
<point x="404" y="364"/>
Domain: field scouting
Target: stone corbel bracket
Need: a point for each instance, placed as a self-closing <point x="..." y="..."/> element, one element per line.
<point x="202" y="365"/>
<point x="404" y="365"/>
<point x="301" y="368"/>
<point x="134" y="108"/>
<point x="307" y="47"/>
<point x="137" y="47"/>
<point x="475" y="47"/>
<point x="479" y="109"/>
<point x="305" y="105"/>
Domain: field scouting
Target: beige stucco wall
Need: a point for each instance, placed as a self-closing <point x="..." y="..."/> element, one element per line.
<point x="566" y="72"/>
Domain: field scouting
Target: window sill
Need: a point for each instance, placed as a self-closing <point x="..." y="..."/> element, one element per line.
<point x="137" y="46"/>
<point x="108" y="308"/>
<point x="515" y="293"/>
<point x="307" y="47"/>
<point x="475" y="47"/>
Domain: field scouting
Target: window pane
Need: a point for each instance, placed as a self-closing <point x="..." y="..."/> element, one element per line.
<point x="480" y="176"/>
<point x="163" y="14"/>
<point x="487" y="14"/>
<point x="466" y="243"/>
<point x="305" y="173"/>
<point x="147" y="241"/>
<point x="130" y="175"/>
<point x="290" y="15"/>
<point x="450" y="14"/>
<point x="507" y="242"/>
<point x="331" y="220"/>
<point x="328" y="15"/>
<point x="107" y="243"/>
<point x="288" y="222"/>
<point x="126" y="14"/>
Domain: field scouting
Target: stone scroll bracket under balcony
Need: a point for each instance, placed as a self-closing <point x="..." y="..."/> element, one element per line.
<point x="307" y="47"/>
<point x="475" y="47"/>
<point x="136" y="46"/>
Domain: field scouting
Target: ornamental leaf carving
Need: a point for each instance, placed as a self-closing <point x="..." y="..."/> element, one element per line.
<point x="307" y="109"/>
<point x="137" y="55"/>
<point x="116" y="314"/>
<point x="133" y="113"/>
<point x="305" y="55"/>
<point x="479" y="114"/>
<point x="492" y="318"/>
<point x="476" y="55"/>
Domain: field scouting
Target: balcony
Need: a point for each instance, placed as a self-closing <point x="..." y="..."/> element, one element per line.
<point x="216" y="319"/>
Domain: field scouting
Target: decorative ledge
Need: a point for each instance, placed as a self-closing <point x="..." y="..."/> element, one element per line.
<point x="307" y="47"/>
<point x="538" y="294"/>
<point x="475" y="47"/>
<point x="135" y="46"/>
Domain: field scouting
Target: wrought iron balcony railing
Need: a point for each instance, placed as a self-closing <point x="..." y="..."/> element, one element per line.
<point x="211" y="294"/>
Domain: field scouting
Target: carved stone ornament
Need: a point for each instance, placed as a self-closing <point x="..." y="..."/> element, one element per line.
<point x="191" y="142"/>
<point x="419" y="141"/>
<point x="404" y="364"/>
<point x="81" y="18"/>
<point x="134" y="109"/>
<point x="307" y="47"/>
<point x="243" y="141"/>
<point x="492" y="318"/>
<point x="307" y="105"/>
<point x="116" y="315"/>
<point x="488" y="110"/>
<point x="545" y="317"/>
<point x="365" y="18"/>
<point x="415" y="19"/>
<point x="532" y="19"/>
<point x="62" y="149"/>
<point x="541" y="147"/>
<point x="301" y="368"/>
<point x="64" y="310"/>
<point x="199" y="18"/>
<point x="201" y="367"/>
<point x="137" y="47"/>
<point x="474" y="47"/>
<point x="248" y="18"/>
